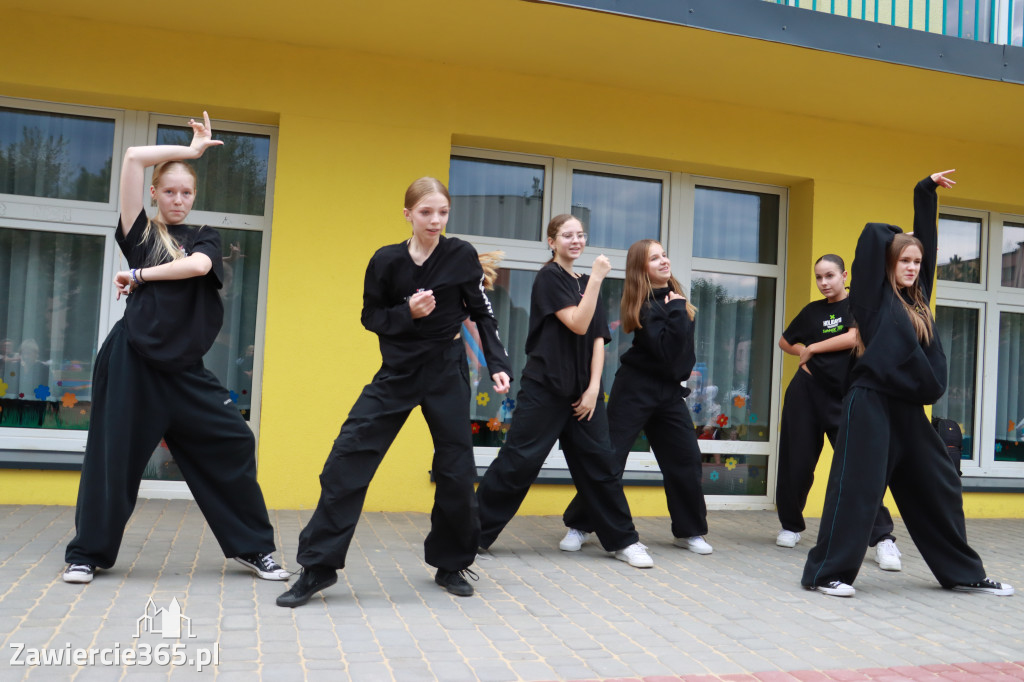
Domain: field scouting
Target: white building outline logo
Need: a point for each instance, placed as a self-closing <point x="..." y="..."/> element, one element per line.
<point x="164" y="622"/>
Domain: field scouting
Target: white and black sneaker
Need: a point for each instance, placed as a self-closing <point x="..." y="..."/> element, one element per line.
<point x="835" y="588"/>
<point x="263" y="565"/>
<point x="986" y="586"/>
<point x="79" y="573"/>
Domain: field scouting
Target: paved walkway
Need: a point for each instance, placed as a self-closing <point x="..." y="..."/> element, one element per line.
<point x="539" y="614"/>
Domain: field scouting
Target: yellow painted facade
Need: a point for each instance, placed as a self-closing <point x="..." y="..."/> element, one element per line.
<point x="365" y="104"/>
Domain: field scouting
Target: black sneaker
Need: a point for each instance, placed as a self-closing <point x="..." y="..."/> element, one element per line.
<point x="455" y="581"/>
<point x="79" y="573"/>
<point x="986" y="586"/>
<point x="311" y="580"/>
<point x="264" y="566"/>
<point x="834" y="588"/>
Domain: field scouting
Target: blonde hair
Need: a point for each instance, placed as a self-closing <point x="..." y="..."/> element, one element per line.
<point x="918" y="311"/>
<point x="167" y="249"/>
<point x="427" y="185"/>
<point x="638" y="288"/>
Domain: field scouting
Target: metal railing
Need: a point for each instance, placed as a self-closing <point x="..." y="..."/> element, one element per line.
<point x="992" y="21"/>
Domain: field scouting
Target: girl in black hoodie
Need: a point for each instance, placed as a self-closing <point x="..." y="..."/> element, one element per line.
<point x="884" y="435"/>
<point x="648" y="394"/>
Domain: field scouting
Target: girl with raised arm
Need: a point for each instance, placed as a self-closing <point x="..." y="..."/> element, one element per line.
<point x="561" y="399"/>
<point x="416" y="295"/>
<point x="648" y="395"/>
<point x="884" y="434"/>
<point x="149" y="382"/>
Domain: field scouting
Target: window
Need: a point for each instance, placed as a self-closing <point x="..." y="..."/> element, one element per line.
<point x="980" y="322"/>
<point x="58" y="190"/>
<point x="722" y="236"/>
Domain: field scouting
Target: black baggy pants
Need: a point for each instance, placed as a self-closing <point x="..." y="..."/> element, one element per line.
<point x="440" y="387"/>
<point x="133" y="407"/>
<point x="811" y="412"/>
<point x="881" y="438"/>
<point x="541" y="418"/>
<point x="658" y="407"/>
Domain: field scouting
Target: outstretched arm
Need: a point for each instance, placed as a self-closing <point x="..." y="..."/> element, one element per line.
<point x="926" y="216"/>
<point x="138" y="159"/>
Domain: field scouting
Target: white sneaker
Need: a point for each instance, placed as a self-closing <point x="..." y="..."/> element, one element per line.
<point x="635" y="555"/>
<point x="697" y="544"/>
<point x="887" y="556"/>
<point x="787" y="538"/>
<point x="573" y="540"/>
<point x="835" y="588"/>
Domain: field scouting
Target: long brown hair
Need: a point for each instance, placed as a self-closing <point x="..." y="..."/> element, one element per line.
<point x="918" y="311"/>
<point x="427" y="185"/>
<point x="638" y="287"/>
<point x="167" y="249"/>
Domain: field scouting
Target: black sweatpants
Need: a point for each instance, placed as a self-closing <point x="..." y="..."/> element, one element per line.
<point x="440" y="387"/>
<point x="656" y="406"/>
<point x="541" y="418"/>
<point x="811" y="412"/>
<point x="881" y="438"/>
<point x="133" y="407"/>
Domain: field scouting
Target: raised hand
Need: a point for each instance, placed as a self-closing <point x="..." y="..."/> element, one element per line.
<point x="941" y="180"/>
<point x="602" y="266"/>
<point x="673" y="296"/>
<point x="421" y="304"/>
<point x="202" y="135"/>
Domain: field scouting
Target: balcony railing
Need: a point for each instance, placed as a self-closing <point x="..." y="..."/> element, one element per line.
<point x="992" y="21"/>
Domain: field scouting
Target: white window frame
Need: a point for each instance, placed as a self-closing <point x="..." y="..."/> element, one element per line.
<point x="677" y="237"/>
<point x="61" y="448"/>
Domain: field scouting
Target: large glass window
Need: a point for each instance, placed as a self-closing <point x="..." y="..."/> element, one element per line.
<point x="55" y="156"/>
<point x="496" y="198"/>
<point x="50" y="289"/>
<point x="616" y="210"/>
<point x="736" y="225"/>
<point x="1009" y="440"/>
<point x="959" y="252"/>
<point x="1012" y="264"/>
<point x="957" y="329"/>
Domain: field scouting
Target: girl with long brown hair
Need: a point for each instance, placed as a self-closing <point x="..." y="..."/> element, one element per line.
<point x="648" y="395"/>
<point x="884" y="435"/>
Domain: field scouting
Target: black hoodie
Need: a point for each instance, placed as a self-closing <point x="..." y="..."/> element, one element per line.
<point x="895" y="362"/>
<point x="663" y="346"/>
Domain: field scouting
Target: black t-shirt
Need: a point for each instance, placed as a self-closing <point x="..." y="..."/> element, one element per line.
<point x="557" y="357"/>
<point x="172" y="324"/>
<point x="453" y="273"/>
<point x="819" y="321"/>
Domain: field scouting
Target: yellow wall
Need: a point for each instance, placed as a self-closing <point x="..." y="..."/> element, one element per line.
<point x="355" y="129"/>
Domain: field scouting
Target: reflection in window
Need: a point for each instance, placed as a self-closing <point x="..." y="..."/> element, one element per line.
<point x="232" y="178"/>
<point x="616" y="210"/>
<point x="1009" y="378"/>
<point x="49" y="316"/>
<point x="231" y="357"/>
<point x="959" y="254"/>
<point x="735" y="225"/>
<point x="1012" y="270"/>
<point x="730" y="386"/>
<point x="496" y="199"/>
<point x="55" y="156"/>
<point x="957" y="329"/>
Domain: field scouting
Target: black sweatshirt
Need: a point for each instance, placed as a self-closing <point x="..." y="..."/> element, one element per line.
<point x="454" y="274"/>
<point x="895" y="362"/>
<point x="663" y="346"/>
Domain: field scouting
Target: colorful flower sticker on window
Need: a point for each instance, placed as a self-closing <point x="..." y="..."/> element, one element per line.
<point x="606" y="396"/>
<point x="82" y="411"/>
<point x="493" y="424"/>
<point x="42" y="392"/>
<point x="233" y="396"/>
<point x="730" y="463"/>
<point x="739" y="401"/>
<point x="483" y="398"/>
<point x="753" y="417"/>
<point x="474" y="427"/>
<point x="999" y="447"/>
<point x="722" y="420"/>
<point x="508" y="404"/>
<point x="3" y="387"/>
<point x="1011" y="427"/>
<point x="696" y="408"/>
<point x="68" y="399"/>
<point x="713" y="476"/>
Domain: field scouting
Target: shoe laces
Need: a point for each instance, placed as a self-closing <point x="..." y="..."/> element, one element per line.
<point x="635" y="548"/>
<point x="76" y="568"/>
<point x="889" y="548"/>
<point x="467" y="573"/>
<point x="267" y="560"/>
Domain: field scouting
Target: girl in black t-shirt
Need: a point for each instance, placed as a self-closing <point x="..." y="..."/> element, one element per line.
<point x="416" y="295"/>
<point x="822" y="336"/>
<point x="149" y="382"/>
<point x="561" y="399"/>
<point x="884" y="434"/>
<point x="648" y="395"/>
